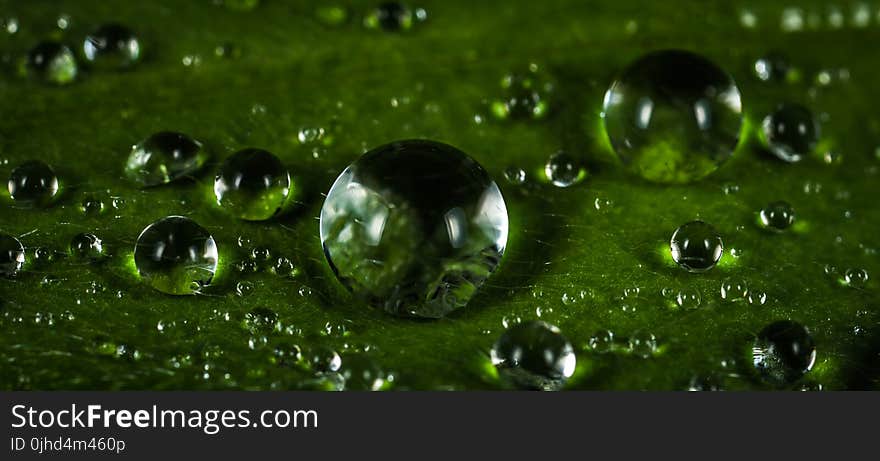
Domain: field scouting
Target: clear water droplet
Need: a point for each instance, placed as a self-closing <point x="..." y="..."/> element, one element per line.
<point x="252" y="184"/>
<point x="526" y="94"/>
<point x="790" y="132"/>
<point x="643" y="344"/>
<point x="515" y="176"/>
<point x="855" y="277"/>
<point x="688" y="298"/>
<point x="390" y="16"/>
<point x="783" y="352"/>
<point x="673" y="116"/>
<point x="164" y="157"/>
<point x="112" y="46"/>
<point x="91" y="206"/>
<point x="325" y="360"/>
<point x="563" y="170"/>
<point x="12" y="255"/>
<point x="534" y="355"/>
<point x="602" y="341"/>
<point x="772" y="67"/>
<point x="176" y="256"/>
<point x="244" y="288"/>
<point x="777" y="216"/>
<point x="696" y="246"/>
<point x="52" y="62"/>
<point x="414" y="227"/>
<point x="86" y="246"/>
<point x="734" y="289"/>
<point x="33" y="184"/>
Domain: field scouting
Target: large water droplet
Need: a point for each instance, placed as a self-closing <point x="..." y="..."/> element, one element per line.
<point x="11" y="255"/>
<point x="790" y="132"/>
<point x="696" y="246"/>
<point x="673" y="116"/>
<point x="414" y="227"/>
<point x="112" y="46"/>
<point x="534" y="355"/>
<point x="164" y="157"/>
<point x="783" y="352"/>
<point x="33" y="184"/>
<point x="52" y="62"/>
<point x="252" y="184"/>
<point x="175" y="255"/>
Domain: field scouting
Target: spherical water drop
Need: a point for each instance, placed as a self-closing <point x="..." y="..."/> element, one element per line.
<point x="390" y="16"/>
<point x="526" y="95"/>
<point x="855" y="277"/>
<point x="534" y="355"/>
<point x="772" y="67"/>
<point x="673" y="116"/>
<point x="164" y="157"/>
<point x="33" y="184"/>
<point x="515" y="176"/>
<point x="52" y="62"/>
<point x="112" y="46"/>
<point x="734" y="290"/>
<point x="252" y="184"/>
<point x="602" y="341"/>
<point x="414" y="227"/>
<point x="643" y="344"/>
<point x="696" y="246"/>
<point x="790" y="132"/>
<point x="777" y="216"/>
<point x="783" y="352"/>
<point x="86" y="246"/>
<point x="688" y="298"/>
<point x="325" y="360"/>
<point x="11" y="255"/>
<point x="175" y="255"/>
<point x="563" y="170"/>
<point x="91" y="206"/>
<point x="244" y="288"/>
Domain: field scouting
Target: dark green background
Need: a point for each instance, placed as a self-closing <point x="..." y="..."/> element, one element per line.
<point x="370" y="87"/>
